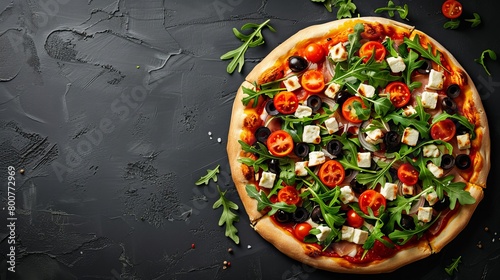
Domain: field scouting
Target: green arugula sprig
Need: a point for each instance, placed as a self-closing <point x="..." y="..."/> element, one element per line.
<point x="211" y="174"/>
<point x="331" y="214"/>
<point x="396" y="207"/>
<point x="345" y="7"/>
<point x="401" y="237"/>
<point x="263" y="201"/>
<point x="254" y="39"/>
<point x="254" y="95"/>
<point x="391" y="8"/>
<point x="452" y="24"/>
<point x="261" y="151"/>
<point x="450" y="269"/>
<point x="480" y="60"/>
<point x="474" y="21"/>
<point x="424" y="52"/>
<point x="228" y="217"/>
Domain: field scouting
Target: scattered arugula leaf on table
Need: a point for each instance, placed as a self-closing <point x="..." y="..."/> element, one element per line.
<point x="450" y="269"/>
<point x="228" y="217"/>
<point x="252" y="40"/>
<point x="474" y="21"/>
<point x="391" y="8"/>
<point x="211" y="174"/>
<point x="345" y="7"/>
<point x="480" y="60"/>
<point x="452" y="24"/>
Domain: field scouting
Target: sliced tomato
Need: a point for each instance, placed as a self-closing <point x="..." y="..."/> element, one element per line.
<point x="313" y="81"/>
<point x="443" y="130"/>
<point x="349" y="110"/>
<point x="373" y="200"/>
<point x="354" y="219"/>
<point x="289" y="195"/>
<point x="331" y="173"/>
<point x="314" y="53"/>
<point x="399" y="94"/>
<point x="451" y="9"/>
<point x="367" y="49"/>
<point x="280" y="143"/>
<point x="301" y="230"/>
<point x="408" y="174"/>
<point x="286" y="102"/>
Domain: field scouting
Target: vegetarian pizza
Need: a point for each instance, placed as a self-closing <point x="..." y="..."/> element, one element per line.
<point x="359" y="146"/>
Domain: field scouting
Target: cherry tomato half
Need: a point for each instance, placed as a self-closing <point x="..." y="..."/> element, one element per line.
<point x="331" y="173"/>
<point x="280" y="143"/>
<point x="366" y="51"/>
<point x="443" y="130"/>
<point x="408" y="174"/>
<point x="313" y="81"/>
<point x="286" y="102"/>
<point x="371" y="199"/>
<point x="354" y="219"/>
<point x="399" y="94"/>
<point x="301" y="230"/>
<point x="289" y="195"/>
<point x="451" y="9"/>
<point x="314" y="53"/>
<point x="349" y="111"/>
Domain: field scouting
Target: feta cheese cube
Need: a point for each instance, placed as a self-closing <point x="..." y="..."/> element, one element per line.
<point x="396" y="64"/>
<point x="303" y="111"/>
<point x="267" y="180"/>
<point x="292" y="83"/>
<point x="332" y="89"/>
<point x="435" y="170"/>
<point x="407" y="190"/>
<point x="312" y="223"/>
<point x="311" y="134"/>
<point x="424" y="214"/>
<point x="347" y="195"/>
<point x="389" y="191"/>
<point x="325" y="231"/>
<point x="365" y="90"/>
<point x="429" y="99"/>
<point x="338" y="53"/>
<point x="359" y="236"/>
<point x="347" y="233"/>
<point x="410" y="136"/>
<point x="409" y="111"/>
<point x="300" y="169"/>
<point x="436" y="80"/>
<point x="431" y="151"/>
<point x="463" y="141"/>
<point x="432" y="198"/>
<point x="332" y="125"/>
<point x="316" y="158"/>
<point x="374" y="136"/>
<point x="364" y="159"/>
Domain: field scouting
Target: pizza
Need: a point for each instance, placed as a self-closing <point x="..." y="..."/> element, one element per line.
<point x="359" y="146"/>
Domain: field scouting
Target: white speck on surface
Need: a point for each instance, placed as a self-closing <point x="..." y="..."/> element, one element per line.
<point x="219" y="140"/>
<point x="249" y="246"/>
<point x="209" y="133"/>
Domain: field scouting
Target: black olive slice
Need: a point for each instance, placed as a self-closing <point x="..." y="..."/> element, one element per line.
<point x="300" y="215"/>
<point x="262" y="133"/>
<point x="314" y="102"/>
<point x="449" y="105"/>
<point x="463" y="161"/>
<point x="425" y="68"/>
<point x="301" y="149"/>
<point x="334" y="147"/>
<point x="442" y="204"/>
<point x="407" y="222"/>
<point x="282" y="216"/>
<point x="270" y="108"/>
<point x="273" y="166"/>
<point x="453" y="91"/>
<point x="392" y="141"/>
<point x="447" y="161"/>
<point x="357" y="187"/>
<point x="297" y="63"/>
<point x="342" y="96"/>
<point x="316" y="215"/>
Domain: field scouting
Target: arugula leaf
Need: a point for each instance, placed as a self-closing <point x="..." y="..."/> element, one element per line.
<point x="263" y="201"/>
<point x="371" y="180"/>
<point x="480" y="60"/>
<point x="381" y="105"/>
<point x="389" y="45"/>
<point x="345" y="8"/>
<point x="391" y="8"/>
<point x="403" y="236"/>
<point x="421" y="113"/>
<point x="252" y="40"/>
<point x="396" y="207"/>
<point x="474" y="21"/>
<point x="421" y="126"/>
<point x="452" y="24"/>
<point x="412" y="63"/>
<point x="331" y="215"/>
<point x="327" y="3"/>
<point x="254" y="95"/>
<point x="454" y="190"/>
<point x="227" y="217"/>
<point x="375" y="234"/>
<point x="261" y="151"/>
<point x="211" y="174"/>
<point x="461" y="119"/>
<point x="353" y="39"/>
<point x="424" y="52"/>
<point x="450" y="269"/>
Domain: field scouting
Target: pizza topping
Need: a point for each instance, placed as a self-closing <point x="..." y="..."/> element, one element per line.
<point x="436" y="80"/>
<point x="301" y="230"/>
<point x="449" y="105"/>
<point x="463" y="161"/>
<point x="338" y="53"/>
<point x="313" y="81"/>
<point x="314" y="53"/>
<point x="292" y="83"/>
<point x="443" y="130"/>
<point x="451" y="9"/>
<point x="463" y="141"/>
<point x="286" y="102"/>
<point x="280" y="143"/>
<point x="453" y="91"/>
<point x="297" y="63"/>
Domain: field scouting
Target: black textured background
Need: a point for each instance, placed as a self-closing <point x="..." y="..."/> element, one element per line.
<point x="114" y="110"/>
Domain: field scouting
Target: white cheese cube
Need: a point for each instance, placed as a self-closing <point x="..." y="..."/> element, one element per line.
<point x="389" y="191"/>
<point x="364" y="159"/>
<point x="347" y="195"/>
<point x="396" y="64"/>
<point x="312" y="223"/>
<point x="311" y="134"/>
<point x="431" y="151"/>
<point x="435" y="170"/>
<point x="407" y="190"/>
<point x="325" y="231"/>
<point x="463" y="141"/>
<point x="316" y="158"/>
<point x="303" y="111"/>
<point x="347" y="233"/>
<point x="429" y="99"/>
<point x="267" y="180"/>
<point x="332" y="89"/>
<point x="409" y="111"/>
<point x="365" y="90"/>
<point x="436" y="80"/>
<point x="292" y="83"/>
<point x="359" y="236"/>
<point x="374" y="136"/>
<point x="300" y="169"/>
<point x="432" y="198"/>
<point x="332" y="125"/>
<point x="424" y="214"/>
<point x="410" y="136"/>
<point x="338" y="53"/>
